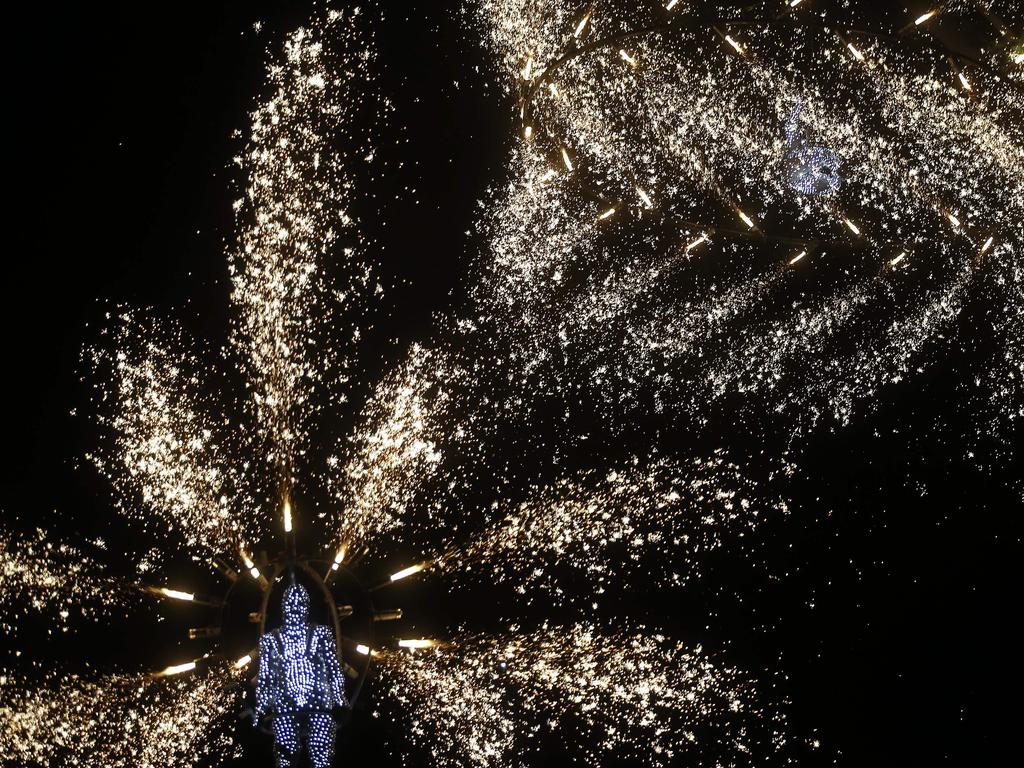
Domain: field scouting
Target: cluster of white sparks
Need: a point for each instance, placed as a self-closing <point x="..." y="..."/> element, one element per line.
<point x="613" y="527"/>
<point x="299" y="274"/>
<point x="395" y="451"/>
<point x="491" y="700"/>
<point x="171" y="456"/>
<point x="648" y="251"/>
<point x="53" y="578"/>
<point x="650" y="239"/>
<point x="122" y="721"/>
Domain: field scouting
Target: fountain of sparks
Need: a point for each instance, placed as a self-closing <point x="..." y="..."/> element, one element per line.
<point x="63" y="582"/>
<point x="654" y="236"/>
<point x="649" y="524"/>
<point x="490" y="700"/>
<point x="170" y="455"/>
<point x="119" y="720"/>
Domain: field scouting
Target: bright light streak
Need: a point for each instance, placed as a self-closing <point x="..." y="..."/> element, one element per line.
<point x="606" y="214"/>
<point x="408" y="571"/>
<point x="414" y="644"/>
<point x="363" y="649"/>
<point x="566" y="160"/>
<point x="746" y="219"/>
<point x="797" y="258"/>
<point x="734" y="44"/>
<point x="287" y="516"/>
<point x="337" y="559"/>
<point x="627" y="58"/>
<point x="987" y="245"/>
<point x="922" y="19"/>
<point x="528" y="69"/>
<point x="853" y="227"/>
<point x="645" y="198"/>
<point x="528" y="131"/>
<point x="794" y="3"/>
<point x="964" y="82"/>
<point x="178" y="669"/>
<point x="582" y="25"/>
<point x="176" y="595"/>
<point x="246" y="559"/>
<point x="898" y="259"/>
<point x="671" y="4"/>
<point x="856" y="53"/>
<point x="253" y="570"/>
<point x="702" y="239"/>
<point x="243" y="662"/>
<point x="953" y="219"/>
<point x="551" y="173"/>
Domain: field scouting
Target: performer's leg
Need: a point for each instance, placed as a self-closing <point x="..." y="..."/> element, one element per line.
<point x="286" y="740"/>
<point x="321" y="740"/>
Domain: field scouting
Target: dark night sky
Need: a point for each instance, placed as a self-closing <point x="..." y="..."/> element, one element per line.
<point x="122" y="195"/>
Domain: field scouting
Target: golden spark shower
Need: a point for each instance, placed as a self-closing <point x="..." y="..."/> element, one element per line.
<point x="716" y="224"/>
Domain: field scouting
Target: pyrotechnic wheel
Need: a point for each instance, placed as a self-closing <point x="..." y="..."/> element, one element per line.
<point x="250" y="607"/>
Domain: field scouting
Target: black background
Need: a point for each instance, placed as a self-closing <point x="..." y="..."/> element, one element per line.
<point x="890" y="622"/>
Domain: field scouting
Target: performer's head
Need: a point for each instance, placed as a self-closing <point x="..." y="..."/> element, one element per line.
<point x="295" y="604"/>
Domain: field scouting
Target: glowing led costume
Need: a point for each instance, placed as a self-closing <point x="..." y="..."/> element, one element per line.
<point x="300" y="684"/>
<point x="812" y="170"/>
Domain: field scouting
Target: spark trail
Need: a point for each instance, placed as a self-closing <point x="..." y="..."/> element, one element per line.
<point x="653" y="521"/>
<point x="423" y="443"/>
<point x="661" y="155"/>
<point x="121" y="721"/>
<point x="394" y="452"/>
<point x="297" y="327"/>
<point x="170" y="452"/>
<point x="493" y="700"/>
<point x="55" y="579"/>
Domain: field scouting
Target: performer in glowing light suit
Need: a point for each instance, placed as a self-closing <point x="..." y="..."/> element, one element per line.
<point x="812" y="169"/>
<point x="300" y="684"/>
